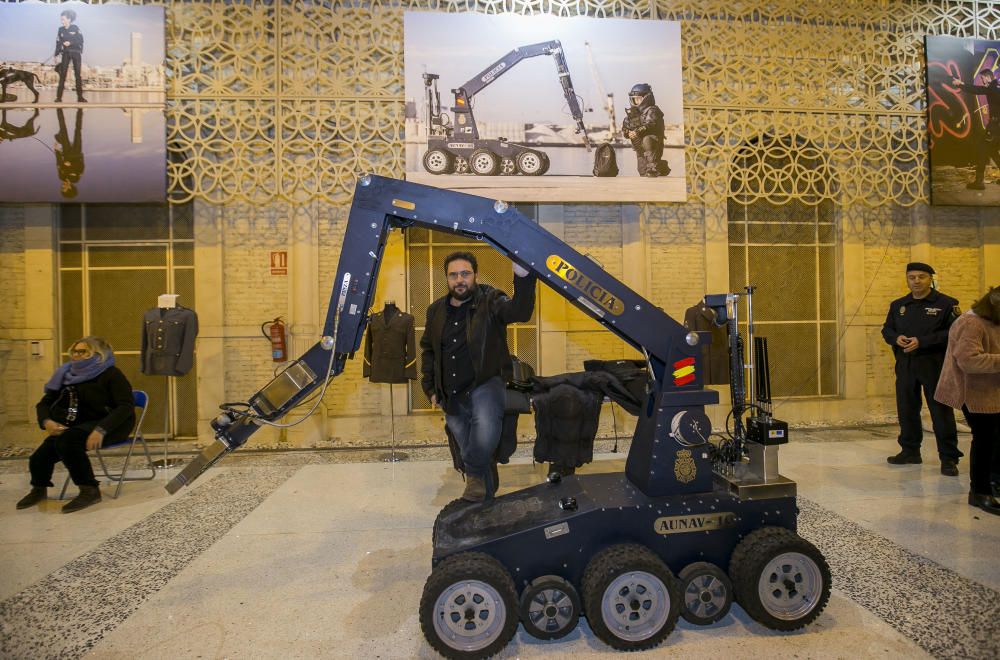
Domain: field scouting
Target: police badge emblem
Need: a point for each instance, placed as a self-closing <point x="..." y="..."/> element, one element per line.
<point x="685" y="469"/>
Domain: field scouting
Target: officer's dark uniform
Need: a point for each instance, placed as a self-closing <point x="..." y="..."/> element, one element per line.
<point x="927" y="319"/>
<point x="168" y="336"/>
<point x="69" y="154"/>
<point x="390" y="347"/>
<point x="71" y="54"/>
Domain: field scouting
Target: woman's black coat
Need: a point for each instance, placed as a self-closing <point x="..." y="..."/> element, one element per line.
<point x="104" y="401"/>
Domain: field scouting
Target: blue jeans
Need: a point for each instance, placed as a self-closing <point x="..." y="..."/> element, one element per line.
<point x="476" y="425"/>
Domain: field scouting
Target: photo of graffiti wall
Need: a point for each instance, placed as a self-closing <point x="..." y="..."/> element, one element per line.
<point x="963" y="120"/>
<point x="82" y="101"/>
<point x="544" y="108"/>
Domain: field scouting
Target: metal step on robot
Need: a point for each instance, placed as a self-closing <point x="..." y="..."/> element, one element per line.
<point x="691" y="526"/>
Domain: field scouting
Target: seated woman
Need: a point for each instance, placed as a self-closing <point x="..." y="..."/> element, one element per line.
<point x="87" y="404"/>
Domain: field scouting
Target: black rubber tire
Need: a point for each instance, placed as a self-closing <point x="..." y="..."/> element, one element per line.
<point x="798" y="588"/>
<point x="439" y="161"/>
<point x="700" y="581"/>
<point x="476" y="573"/>
<point x="617" y="562"/>
<point x="508" y="167"/>
<point x="544" y="592"/>
<point x="545" y="163"/>
<point x="446" y="511"/>
<point x="484" y="162"/>
<point x="531" y="163"/>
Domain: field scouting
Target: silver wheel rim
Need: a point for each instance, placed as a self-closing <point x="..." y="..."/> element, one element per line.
<point x="507" y="166"/>
<point x="790" y="586"/>
<point x="461" y="165"/>
<point x="635" y="606"/>
<point x="436" y="161"/>
<point x="551" y="610"/>
<point x="705" y="595"/>
<point x="482" y="163"/>
<point x="529" y="163"/>
<point x="469" y="615"/>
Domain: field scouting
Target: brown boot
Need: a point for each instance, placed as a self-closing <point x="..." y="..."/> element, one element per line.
<point x="88" y="495"/>
<point x="475" y="489"/>
<point x="37" y="494"/>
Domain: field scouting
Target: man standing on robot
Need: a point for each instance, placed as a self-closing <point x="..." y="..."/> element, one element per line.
<point x="917" y="329"/>
<point x="466" y="363"/>
<point x="643" y="125"/>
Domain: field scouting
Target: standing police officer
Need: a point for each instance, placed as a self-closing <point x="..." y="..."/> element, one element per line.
<point x="69" y="44"/>
<point x="917" y="329"/>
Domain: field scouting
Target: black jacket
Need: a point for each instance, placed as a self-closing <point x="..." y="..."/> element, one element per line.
<point x="105" y="401"/>
<point x="927" y="319"/>
<point x="390" y="348"/>
<point x="567" y="412"/>
<point x="714" y="356"/>
<point x="486" y="333"/>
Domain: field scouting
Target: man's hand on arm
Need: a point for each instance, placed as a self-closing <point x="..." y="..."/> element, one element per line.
<point x="520" y="270"/>
<point x="434" y="400"/>
<point x="913" y="345"/>
<point x="53" y="428"/>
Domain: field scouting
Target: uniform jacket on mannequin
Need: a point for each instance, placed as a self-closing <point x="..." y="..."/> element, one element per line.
<point x="390" y="347"/>
<point x="715" y="356"/>
<point x="168" y="336"/>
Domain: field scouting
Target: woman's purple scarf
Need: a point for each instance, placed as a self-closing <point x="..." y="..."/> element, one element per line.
<point x="78" y="371"/>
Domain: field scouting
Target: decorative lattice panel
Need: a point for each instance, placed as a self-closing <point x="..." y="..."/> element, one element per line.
<point x="290" y="99"/>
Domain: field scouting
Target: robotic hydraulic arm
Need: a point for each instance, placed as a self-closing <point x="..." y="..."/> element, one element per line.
<point x="673" y="415"/>
<point x="486" y="77"/>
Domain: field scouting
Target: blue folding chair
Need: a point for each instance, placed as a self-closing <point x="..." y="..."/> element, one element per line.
<point x="141" y="400"/>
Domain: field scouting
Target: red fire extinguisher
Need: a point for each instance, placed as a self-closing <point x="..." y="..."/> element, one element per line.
<point x="276" y="333"/>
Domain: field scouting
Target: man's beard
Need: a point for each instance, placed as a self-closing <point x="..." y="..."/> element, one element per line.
<point x="465" y="295"/>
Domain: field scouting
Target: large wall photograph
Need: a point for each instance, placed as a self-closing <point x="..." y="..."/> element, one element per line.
<point x="963" y="117"/>
<point x="543" y="108"/>
<point x="82" y="103"/>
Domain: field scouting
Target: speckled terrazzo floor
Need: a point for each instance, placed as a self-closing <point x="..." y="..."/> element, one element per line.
<point x="324" y="554"/>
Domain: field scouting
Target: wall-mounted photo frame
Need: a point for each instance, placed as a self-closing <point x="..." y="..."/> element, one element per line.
<point x="82" y="100"/>
<point x="545" y="109"/>
<point x="963" y="120"/>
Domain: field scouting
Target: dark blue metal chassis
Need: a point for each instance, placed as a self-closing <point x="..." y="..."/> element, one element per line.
<point x="610" y="510"/>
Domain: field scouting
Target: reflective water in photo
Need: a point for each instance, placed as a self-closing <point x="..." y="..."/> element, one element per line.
<point x="83" y="154"/>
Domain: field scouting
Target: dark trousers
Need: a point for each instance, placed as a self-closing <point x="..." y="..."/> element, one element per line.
<point x="67" y="60"/>
<point x="988" y="147"/>
<point x="915" y="375"/>
<point x="985" y="451"/>
<point x="475" y="419"/>
<point x="70" y="447"/>
<point x="648" y="152"/>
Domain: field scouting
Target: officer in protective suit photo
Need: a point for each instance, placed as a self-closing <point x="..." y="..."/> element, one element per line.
<point x="643" y="126"/>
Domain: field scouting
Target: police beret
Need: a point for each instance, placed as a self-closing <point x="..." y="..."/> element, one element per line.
<point x="916" y="265"/>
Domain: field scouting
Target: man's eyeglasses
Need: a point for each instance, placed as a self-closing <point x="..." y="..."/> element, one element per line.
<point x="79" y="351"/>
<point x="465" y="274"/>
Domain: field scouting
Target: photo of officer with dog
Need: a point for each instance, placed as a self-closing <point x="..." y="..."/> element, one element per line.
<point x="116" y="102"/>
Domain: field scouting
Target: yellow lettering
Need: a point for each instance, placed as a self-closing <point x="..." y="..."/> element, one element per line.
<point x="591" y="289"/>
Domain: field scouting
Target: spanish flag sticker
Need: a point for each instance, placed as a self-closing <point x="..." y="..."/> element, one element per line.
<point x="684" y="371"/>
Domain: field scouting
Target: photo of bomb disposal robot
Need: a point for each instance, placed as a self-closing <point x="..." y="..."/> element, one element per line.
<point x="643" y="126"/>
